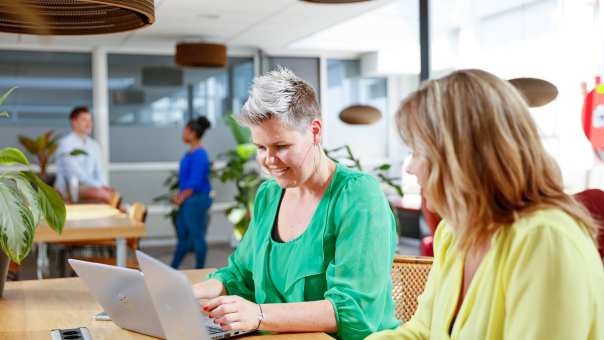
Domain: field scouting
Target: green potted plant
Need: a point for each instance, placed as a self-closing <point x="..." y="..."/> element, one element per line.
<point x="44" y="148"/>
<point x="24" y="200"/>
<point x="171" y="182"/>
<point x="238" y="167"/>
<point x="344" y="155"/>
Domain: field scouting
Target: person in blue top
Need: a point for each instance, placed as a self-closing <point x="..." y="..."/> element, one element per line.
<point x="193" y="195"/>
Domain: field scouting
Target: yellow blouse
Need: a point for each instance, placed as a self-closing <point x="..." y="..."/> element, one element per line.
<point x="542" y="278"/>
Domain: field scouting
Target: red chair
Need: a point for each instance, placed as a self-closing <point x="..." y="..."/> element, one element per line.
<point x="432" y="219"/>
<point x="593" y="201"/>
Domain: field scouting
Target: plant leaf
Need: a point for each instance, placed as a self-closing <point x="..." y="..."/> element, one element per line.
<point x="26" y="192"/>
<point x="236" y="215"/>
<point x="6" y="94"/>
<point x="53" y="207"/>
<point x="11" y="156"/>
<point x="52" y="148"/>
<point x="241" y="134"/>
<point x="31" y="197"/>
<point x="51" y="203"/>
<point x="16" y="224"/>
<point x="40" y="142"/>
<point x="246" y="151"/>
<point x="383" y="167"/>
<point x="77" y="152"/>
<point x="43" y="139"/>
<point x="28" y="143"/>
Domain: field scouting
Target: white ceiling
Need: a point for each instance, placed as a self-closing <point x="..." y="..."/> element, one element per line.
<point x="272" y="25"/>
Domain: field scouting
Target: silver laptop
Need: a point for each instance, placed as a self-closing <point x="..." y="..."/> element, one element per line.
<point x="123" y="295"/>
<point x="179" y="312"/>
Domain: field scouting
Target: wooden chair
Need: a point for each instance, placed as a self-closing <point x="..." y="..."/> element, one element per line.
<point x="116" y="200"/>
<point x="137" y="212"/>
<point x="409" y="277"/>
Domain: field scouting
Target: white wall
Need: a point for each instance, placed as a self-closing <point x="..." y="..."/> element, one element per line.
<point x="561" y="41"/>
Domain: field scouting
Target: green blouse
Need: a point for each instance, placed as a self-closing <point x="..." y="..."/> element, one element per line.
<point x="344" y="256"/>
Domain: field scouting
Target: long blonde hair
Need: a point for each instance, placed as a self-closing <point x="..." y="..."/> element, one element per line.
<point x="487" y="166"/>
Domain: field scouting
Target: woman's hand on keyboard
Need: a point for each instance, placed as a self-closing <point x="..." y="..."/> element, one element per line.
<point x="233" y="313"/>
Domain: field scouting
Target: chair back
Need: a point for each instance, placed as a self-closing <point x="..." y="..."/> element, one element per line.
<point x="409" y="277"/>
<point x="116" y="200"/>
<point x="593" y="201"/>
<point x="138" y="212"/>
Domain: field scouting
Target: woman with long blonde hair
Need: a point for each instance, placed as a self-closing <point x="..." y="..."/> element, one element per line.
<point x="515" y="256"/>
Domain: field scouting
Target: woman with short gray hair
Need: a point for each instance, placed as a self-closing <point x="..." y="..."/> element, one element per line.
<point x="317" y="254"/>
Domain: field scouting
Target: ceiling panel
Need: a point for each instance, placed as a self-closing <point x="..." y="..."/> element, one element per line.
<point x="266" y="24"/>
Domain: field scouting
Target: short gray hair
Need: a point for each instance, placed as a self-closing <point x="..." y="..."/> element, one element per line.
<point x="281" y="95"/>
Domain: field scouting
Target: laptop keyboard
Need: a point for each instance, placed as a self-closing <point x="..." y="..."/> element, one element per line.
<point x="215" y="330"/>
<point x="211" y="326"/>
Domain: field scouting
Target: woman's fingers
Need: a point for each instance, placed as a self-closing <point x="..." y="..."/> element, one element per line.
<point x="228" y="318"/>
<point x="233" y="313"/>
<point x="221" y="300"/>
<point x="223" y="310"/>
<point x="233" y="326"/>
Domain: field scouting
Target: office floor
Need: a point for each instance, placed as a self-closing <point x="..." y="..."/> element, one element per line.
<point x="218" y="254"/>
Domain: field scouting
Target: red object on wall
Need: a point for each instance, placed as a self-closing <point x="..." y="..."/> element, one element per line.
<point x="593" y="117"/>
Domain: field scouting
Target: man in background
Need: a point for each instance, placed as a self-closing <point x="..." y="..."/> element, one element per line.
<point x="80" y="174"/>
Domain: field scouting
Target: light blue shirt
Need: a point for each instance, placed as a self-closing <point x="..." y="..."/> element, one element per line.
<point x="86" y="168"/>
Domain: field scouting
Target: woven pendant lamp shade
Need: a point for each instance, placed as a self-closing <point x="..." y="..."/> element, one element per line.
<point x="74" y="17"/>
<point x="360" y="115"/>
<point x="201" y="55"/>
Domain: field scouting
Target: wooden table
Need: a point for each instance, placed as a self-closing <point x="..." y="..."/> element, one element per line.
<point x="30" y="309"/>
<point x="88" y="222"/>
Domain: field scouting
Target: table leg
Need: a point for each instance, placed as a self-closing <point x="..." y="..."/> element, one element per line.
<point x="42" y="261"/>
<point x="121" y="250"/>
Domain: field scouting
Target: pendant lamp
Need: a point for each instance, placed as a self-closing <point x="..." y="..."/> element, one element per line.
<point x="360" y="115"/>
<point x="537" y="92"/>
<point x="198" y="54"/>
<point x="335" y="1"/>
<point x="74" y="17"/>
